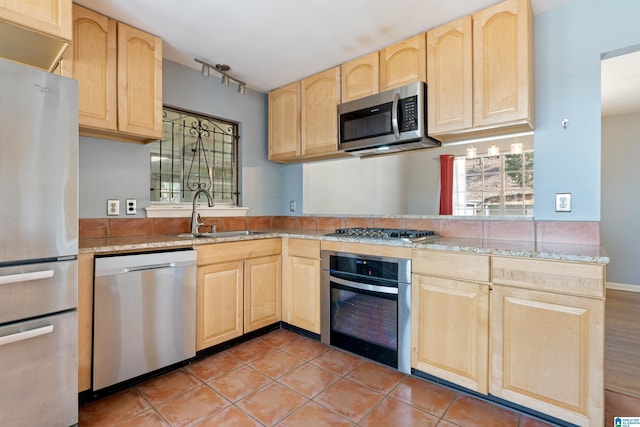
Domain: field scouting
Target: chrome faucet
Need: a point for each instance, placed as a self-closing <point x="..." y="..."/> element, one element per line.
<point x="196" y="221"/>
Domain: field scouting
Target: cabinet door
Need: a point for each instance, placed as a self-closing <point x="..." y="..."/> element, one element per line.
<point x="219" y="306"/>
<point x="449" y="75"/>
<point x="85" y="320"/>
<point x="52" y="17"/>
<point x="320" y="98"/>
<point x="139" y="82"/>
<point x="360" y="77"/>
<point x="548" y="353"/>
<point x="450" y="330"/>
<point x="92" y="60"/>
<point x="403" y="63"/>
<point x="503" y="63"/>
<point x="262" y="292"/>
<point x="284" y="122"/>
<point x="304" y="298"/>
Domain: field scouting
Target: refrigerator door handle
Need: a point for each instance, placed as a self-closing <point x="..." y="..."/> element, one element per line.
<point x="26" y="277"/>
<point x="25" y="335"/>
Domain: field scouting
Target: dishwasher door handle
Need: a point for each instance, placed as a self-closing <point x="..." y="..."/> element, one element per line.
<point x="150" y="267"/>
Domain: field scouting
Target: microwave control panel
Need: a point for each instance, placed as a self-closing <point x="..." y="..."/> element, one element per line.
<point x="408" y="114"/>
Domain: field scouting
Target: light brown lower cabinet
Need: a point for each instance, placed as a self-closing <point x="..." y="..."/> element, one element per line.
<point x="262" y="287"/>
<point x="301" y="283"/>
<point x="547" y="346"/>
<point x="238" y="289"/>
<point x="220" y="296"/>
<point x="450" y="330"/>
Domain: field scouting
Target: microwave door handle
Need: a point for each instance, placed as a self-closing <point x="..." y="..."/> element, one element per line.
<point x="394" y="115"/>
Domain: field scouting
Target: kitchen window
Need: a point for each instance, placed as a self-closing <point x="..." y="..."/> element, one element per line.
<point x="196" y="151"/>
<point x="494" y="185"/>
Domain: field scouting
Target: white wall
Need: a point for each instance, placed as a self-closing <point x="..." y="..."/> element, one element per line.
<point x="620" y="228"/>
<point x="397" y="184"/>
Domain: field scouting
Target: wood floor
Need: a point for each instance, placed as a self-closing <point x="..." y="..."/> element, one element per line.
<point x="622" y="355"/>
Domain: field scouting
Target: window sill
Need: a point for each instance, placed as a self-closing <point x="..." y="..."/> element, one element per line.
<point x="183" y="210"/>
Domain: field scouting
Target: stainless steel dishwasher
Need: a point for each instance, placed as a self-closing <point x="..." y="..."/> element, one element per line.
<point x="144" y="314"/>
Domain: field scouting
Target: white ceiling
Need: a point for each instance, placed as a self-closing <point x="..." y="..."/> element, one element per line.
<point x="269" y="43"/>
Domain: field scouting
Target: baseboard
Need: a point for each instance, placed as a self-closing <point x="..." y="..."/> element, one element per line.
<point x="623" y="287"/>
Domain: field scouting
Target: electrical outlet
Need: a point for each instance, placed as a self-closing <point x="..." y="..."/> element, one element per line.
<point x="292" y="206"/>
<point x="113" y="207"/>
<point x="131" y="206"/>
<point x="563" y="202"/>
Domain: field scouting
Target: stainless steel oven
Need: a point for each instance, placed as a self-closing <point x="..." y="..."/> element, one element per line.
<point x="366" y="306"/>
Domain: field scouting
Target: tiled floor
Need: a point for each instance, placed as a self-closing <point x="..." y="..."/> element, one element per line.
<point x="287" y="380"/>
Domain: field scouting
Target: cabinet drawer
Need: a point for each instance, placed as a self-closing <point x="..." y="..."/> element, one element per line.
<point x="232" y="251"/>
<point x="304" y="248"/>
<point x="452" y="265"/>
<point x="562" y="277"/>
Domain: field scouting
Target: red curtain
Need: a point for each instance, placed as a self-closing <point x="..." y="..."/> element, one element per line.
<point x="446" y="184"/>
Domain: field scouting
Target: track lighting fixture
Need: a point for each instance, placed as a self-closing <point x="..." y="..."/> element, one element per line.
<point x="223" y="70"/>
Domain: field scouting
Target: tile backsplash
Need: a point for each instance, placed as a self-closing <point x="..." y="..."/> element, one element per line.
<point x="571" y="232"/>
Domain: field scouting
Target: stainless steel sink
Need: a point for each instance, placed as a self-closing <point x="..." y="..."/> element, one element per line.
<point x="220" y="234"/>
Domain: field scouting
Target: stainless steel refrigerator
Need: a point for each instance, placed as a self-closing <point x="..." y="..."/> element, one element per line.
<point x="38" y="247"/>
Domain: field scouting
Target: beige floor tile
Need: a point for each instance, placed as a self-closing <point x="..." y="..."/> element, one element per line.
<point x="424" y="395"/>
<point x="306" y="349"/>
<point x="391" y="412"/>
<point x="314" y="415"/>
<point x="251" y="350"/>
<point x="376" y="376"/>
<point x="276" y="364"/>
<point x="338" y="362"/>
<point x="239" y="383"/>
<point x="112" y="409"/>
<point x="214" y="366"/>
<point x="272" y="403"/>
<point x="349" y="399"/>
<point x="192" y="407"/>
<point x="168" y="386"/>
<point x="309" y="380"/>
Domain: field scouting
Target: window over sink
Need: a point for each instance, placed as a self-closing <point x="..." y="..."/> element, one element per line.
<point x="196" y="151"/>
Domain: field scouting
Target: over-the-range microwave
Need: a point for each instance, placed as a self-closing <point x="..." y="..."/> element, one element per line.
<point x="390" y="121"/>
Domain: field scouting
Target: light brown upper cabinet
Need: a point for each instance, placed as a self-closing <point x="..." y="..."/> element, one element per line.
<point x="119" y="73"/>
<point x="403" y="63"/>
<point x="361" y="77"/>
<point x="303" y="119"/>
<point x="503" y="65"/>
<point x="35" y="32"/>
<point x="284" y="123"/>
<point x="480" y="73"/>
<point x="449" y="77"/>
<point x="320" y="96"/>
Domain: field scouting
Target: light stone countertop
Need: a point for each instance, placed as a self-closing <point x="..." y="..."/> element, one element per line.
<point x="550" y="251"/>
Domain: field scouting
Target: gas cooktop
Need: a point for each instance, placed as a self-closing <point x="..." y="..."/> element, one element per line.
<point x="385" y="233"/>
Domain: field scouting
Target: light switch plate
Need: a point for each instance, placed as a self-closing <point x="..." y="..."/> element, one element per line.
<point x="113" y="207"/>
<point x="563" y="202"/>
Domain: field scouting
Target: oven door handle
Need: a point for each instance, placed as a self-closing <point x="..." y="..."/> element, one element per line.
<point x="364" y="286"/>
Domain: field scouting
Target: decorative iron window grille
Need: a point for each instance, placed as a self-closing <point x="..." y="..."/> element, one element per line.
<point x="196" y="151"/>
